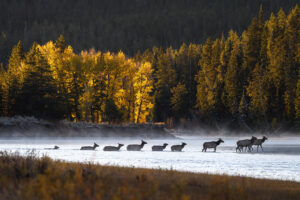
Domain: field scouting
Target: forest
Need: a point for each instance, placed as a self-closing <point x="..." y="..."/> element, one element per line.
<point x="126" y="25"/>
<point x="246" y="79"/>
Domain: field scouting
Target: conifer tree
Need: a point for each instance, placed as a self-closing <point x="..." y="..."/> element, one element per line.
<point x="258" y="88"/>
<point x="14" y="77"/>
<point x="209" y="83"/>
<point x="252" y="46"/>
<point x="233" y="83"/>
<point x="179" y="101"/>
<point x="76" y="87"/>
<point x="38" y="95"/>
<point x="292" y="36"/>
<point x="166" y="79"/>
<point x="61" y="43"/>
<point x="277" y="61"/>
<point x="17" y="54"/>
<point x="205" y="84"/>
<point x="297" y="102"/>
<point x="2" y="101"/>
<point x="111" y="112"/>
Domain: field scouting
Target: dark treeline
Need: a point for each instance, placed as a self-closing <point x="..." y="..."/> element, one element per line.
<point x="248" y="80"/>
<point x="127" y="25"/>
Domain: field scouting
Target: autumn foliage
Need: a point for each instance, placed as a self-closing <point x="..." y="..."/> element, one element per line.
<point x="247" y="81"/>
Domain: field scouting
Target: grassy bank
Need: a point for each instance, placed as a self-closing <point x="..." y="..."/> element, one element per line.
<point x="42" y="178"/>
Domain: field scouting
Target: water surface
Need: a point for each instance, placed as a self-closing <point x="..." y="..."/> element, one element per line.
<point x="280" y="159"/>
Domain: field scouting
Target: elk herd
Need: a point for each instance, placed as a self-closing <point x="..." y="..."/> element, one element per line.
<point x="242" y="145"/>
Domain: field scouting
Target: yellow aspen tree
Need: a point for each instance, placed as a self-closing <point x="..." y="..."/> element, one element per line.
<point x="143" y="86"/>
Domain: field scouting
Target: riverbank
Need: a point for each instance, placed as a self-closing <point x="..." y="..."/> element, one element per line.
<point x="31" y="177"/>
<point x="22" y="127"/>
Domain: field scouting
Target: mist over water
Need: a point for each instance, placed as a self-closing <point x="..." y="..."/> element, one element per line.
<point x="280" y="159"/>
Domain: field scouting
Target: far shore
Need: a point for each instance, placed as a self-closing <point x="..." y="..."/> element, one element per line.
<point x="30" y="127"/>
<point x="22" y="127"/>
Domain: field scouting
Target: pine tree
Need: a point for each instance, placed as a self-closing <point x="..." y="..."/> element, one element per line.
<point x="205" y="84"/>
<point x="179" y="101"/>
<point x="258" y="88"/>
<point x="292" y="37"/>
<point x="165" y="80"/>
<point x="17" y="54"/>
<point x="38" y="95"/>
<point x="14" y="77"/>
<point x="209" y="88"/>
<point x="111" y="112"/>
<point x="276" y="51"/>
<point x="2" y="101"/>
<point x="297" y="98"/>
<point x="60" y="65"/>
<point x="252" y="46"/>
<point x="233" y="79"/>
<point x="76" y="87"/>
<point x="297" y="102"/>
<point x="185" y="62"/>
<point x="61" y="43"/>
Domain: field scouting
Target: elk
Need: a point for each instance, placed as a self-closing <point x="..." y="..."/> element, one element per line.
<point x="112" y="148"/>
<point x="136" y="147"/>
<point x="89" y="147"/>
<point x="159" y="147"/>
<point x="212" y="145"/>
<point x="178" y="147"/>
<point x="259" y="143"/>
<point x="245" y="143"/>
<point x="55" y="147"/>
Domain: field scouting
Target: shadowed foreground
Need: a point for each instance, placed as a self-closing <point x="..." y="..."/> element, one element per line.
<point x="33" y="178"/>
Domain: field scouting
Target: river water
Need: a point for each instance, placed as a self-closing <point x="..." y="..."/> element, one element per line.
<point x="279" y="160"/>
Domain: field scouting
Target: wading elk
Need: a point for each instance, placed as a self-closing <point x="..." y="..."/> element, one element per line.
<point x="55" y="147"/>
<point x="259" y="142"/>
<point x="112" y="148"/>
<point x="159" y="147"/>
<point x="212" y="145"/>
<point x="89" y="147"/>
<point x="136" y="147"/>
<point x="178" y="147"/>
<point x="245" y="143"/>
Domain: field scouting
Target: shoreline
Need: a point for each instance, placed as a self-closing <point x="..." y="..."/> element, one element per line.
<point x="23" y="127"/>
<point x="30" y="127"/>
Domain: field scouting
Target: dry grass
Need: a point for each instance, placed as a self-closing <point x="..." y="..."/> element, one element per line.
<point x="42" y="178"/>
